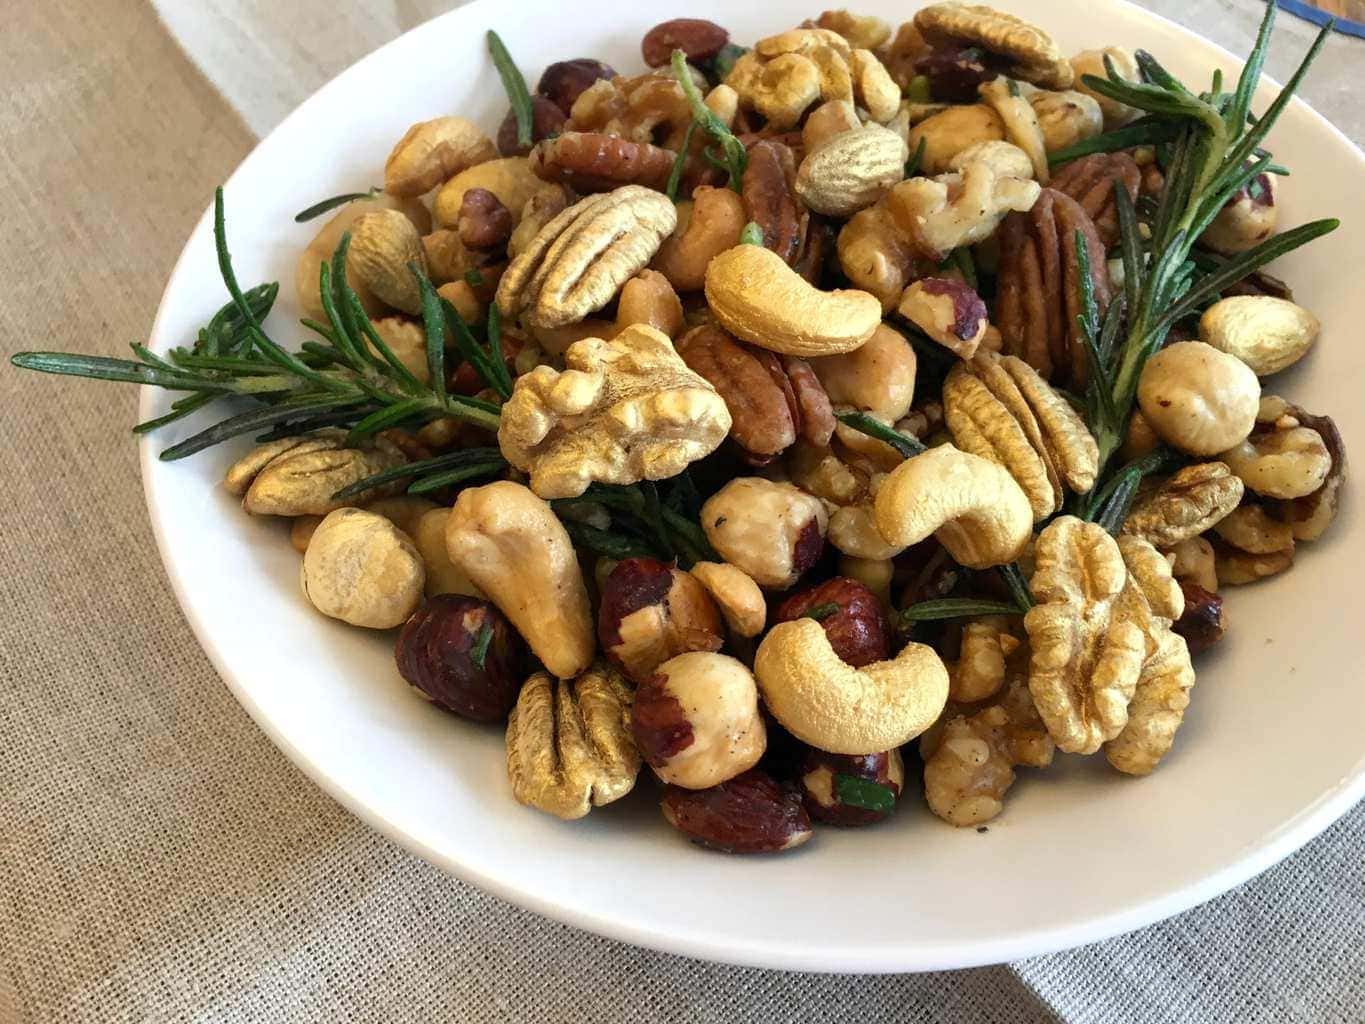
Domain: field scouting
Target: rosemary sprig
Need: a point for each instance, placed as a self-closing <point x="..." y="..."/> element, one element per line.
<point x="1215" y="150"/>
<point x="916" y="158"/>
<point x="326" y="205"/>
<point x="515" y="86"/>
<point x="675" y="175"/>
<point x="865" y="424"/>
<point x="751" y="234"/>
<point x="953" y="608"/>
<point x="348" y="379"/>
<point x="733" y="156"/>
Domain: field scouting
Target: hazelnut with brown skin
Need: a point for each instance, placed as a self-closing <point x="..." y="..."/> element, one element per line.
<point x="773" y="531"/>
<point x="652" y="611"/>
<point x="547" y="119"/>
<point x="844" y="789"/>
<point x="564" y="81"/>
<point x="851" y="616"/>
<point x="751" y="813"/>
<point x="696" y="720"/>
<point x="461" y="654"/>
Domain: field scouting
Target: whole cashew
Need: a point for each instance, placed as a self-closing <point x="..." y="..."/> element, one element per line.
<point x="758" y="298"/>
<point x="972" y="506"/>
<point x="707" y="226"/>
<point x="511" y="546"/>
<point x="824" y="701"/>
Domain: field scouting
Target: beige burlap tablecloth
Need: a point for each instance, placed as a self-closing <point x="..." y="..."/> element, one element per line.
<point x="160" y="860"/>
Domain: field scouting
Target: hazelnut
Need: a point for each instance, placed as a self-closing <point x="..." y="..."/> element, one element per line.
<point x="651" y="612"/>
<point x="749" y="814"/>
<point x="461" y="654"/>
<point x="1246" y="220"/>
<point x="948" y="133"/>
<point x="696" y="720"/>
<point x="772" y="531"/>
<point x="948" y="311"/>
<point x="564" y="81"/>
<point x="1198" y="399"/>
<point x="852" y="789"/>
<point x="851" y="616"/>
<point x="1202" y="624"/>
<point x="362" y="569"/>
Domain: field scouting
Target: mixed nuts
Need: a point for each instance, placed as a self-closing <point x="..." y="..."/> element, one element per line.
<point x="777" y="407"/>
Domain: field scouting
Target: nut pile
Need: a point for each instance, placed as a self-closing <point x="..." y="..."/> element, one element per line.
<point x="813" y="308"/>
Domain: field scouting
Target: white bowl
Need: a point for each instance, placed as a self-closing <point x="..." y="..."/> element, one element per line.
<point x="1271" y="750"/>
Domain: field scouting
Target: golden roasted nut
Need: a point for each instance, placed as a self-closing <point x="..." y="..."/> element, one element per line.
<point x="940" y="215"/>
<point x="323" y="245"/>
<point x="783" y="90"/>
<point x="540" y="209"/>
<point x="979" y="671"/>
<point x="1091" y="62"/>
<point x="1309" y="516"/>
<point x="736" y="594"/>
<point x="707" y="225"/>
<point x="1194" y="499"/>
<point x="407" y="340"/>
<point x="1197" y="398"/>
<point x="569" y="747"/>
<point x="1066" y="117"/>
<point x="432" y="152"/>
<point x="582" y="257"/>
<point x="802" y="40"/>
<point x="1021" y="122"/>
<point x="859" y="30"/>
<point x="1162" y="691"/>
<point x="384" y="245"/>
<point x="853" y="531"/>
<point x="1005" y="158"/>
<point x="648" y="298"/>
<point x="999" y="408"/>
<point x="297" y="476"/>
<point x="822" y="700"/>
<point x="362" y="569"/>
<point x="442" y="575"/>
<point x="878" y="379"/>
<point x="1192" y="561"/>
<point x="875" y="255"/>
<point x="851" y="171"/>
<point x="1032" y="54"/>
<point x="759" y="299"/>
<point x="1086" y="651"/>
<point x="621" y="411"/>
<point x="821" y="472"/>
<point x="942" y="136"/>
<point x="970" y="504"/>
<point x="1267" y="333"/>
<point x="512" y="546"/>
<point x="969" y="760"/>
<point x="873" y="87"/>
<point x="510" y="178"/>
<point x="1284" y="460"/>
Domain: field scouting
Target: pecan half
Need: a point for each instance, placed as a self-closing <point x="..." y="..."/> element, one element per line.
<point x="772" y="399"/>
<point x="766" y="189"/>
<point x="1186" y="504"/>
<point x="1031" y="53"/>
<point x="1039" y="286"/>
<point x="484" y="222"/>
<point x="1091" y="181"/>
<point x="594" y="162"/>
<point x="579" y="260"/>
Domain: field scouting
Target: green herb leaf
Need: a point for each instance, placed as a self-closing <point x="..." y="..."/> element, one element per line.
<point x="478" y="651"/>
<point x="919" y="90"/>
<point x="954" y="608"/>
<point x="864" y="793"/>
<point x="1147" y="131"/>
<point x="514" y="85"/>
<point x="326" y="205"/>
<point x="751" y="235"/>
<point x="865" y="424"/>
<point x="821" y="612"/>
<point x="473" y="278"/>
<point x="719" y="67"/>
<point x="420" y="468"/>
<point x="916" y="158"/>
<point x="1018" y="586"/>
<point x="735" y="158"/>
<point x="675" y="175"/>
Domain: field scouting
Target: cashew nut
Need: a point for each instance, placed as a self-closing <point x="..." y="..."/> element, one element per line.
<point x="707" y="226"/>
<point x="761" y="300"/>
<point x="429" y="535"/>
<point x="973" y="506"/>
<point x="509" y="178"/>
<point x="511" y="545"/>
<point x="431" y="152"/>
<point x="324" y="243"/>
<point x="1020" y="121"/>
<point x="823" y="701"/>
